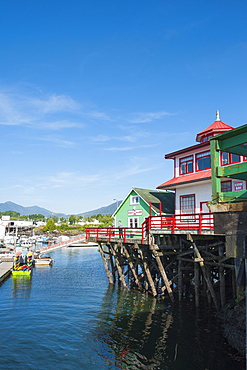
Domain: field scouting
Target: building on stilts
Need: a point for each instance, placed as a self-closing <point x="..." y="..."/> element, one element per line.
<point x="199" y="249"/>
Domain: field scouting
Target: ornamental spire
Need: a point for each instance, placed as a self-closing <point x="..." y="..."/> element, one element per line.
<point x="217" y="115"/>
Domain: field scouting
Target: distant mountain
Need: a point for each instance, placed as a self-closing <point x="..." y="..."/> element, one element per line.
<point x="108" y="210"/>
<point x="25" y="211"/>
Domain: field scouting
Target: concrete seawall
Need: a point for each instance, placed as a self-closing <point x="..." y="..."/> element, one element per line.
<point x="5" y="270"/>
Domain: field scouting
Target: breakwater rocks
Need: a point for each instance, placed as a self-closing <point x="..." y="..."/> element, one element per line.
<point x="234" y="326"/>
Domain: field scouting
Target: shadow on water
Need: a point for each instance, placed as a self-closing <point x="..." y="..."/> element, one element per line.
<point x="136" y="331"/>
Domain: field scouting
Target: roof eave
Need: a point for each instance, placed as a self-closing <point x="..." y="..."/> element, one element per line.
<point x="173" y="186"/>
<point x="174" y="154"/>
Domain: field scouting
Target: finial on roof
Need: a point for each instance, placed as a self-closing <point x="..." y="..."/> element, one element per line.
<point x="217" y="115"/>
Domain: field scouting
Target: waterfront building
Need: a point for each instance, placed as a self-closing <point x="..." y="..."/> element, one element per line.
<point x="141" y="203"/>
<point x="192" y="172"/>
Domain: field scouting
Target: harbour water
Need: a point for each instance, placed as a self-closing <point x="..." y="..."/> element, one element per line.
<point x="68" y="317"/>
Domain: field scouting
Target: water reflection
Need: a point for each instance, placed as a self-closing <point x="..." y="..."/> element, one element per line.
<point x="136" y="331"/>
<point x="21" y="286"/>
<point x="132" y="330"/>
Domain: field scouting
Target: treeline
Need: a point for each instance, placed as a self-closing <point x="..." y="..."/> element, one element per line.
<point x="72" y="223"/>
<point x="62" y="223"/>
<point x="16" y="216"/>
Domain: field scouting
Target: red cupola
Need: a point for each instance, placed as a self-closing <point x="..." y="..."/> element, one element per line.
<point x="216" y="128"/>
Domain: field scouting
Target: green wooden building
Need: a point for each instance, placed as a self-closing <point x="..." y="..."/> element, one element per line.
<point x="141" y="203"/>
<point x="230" y="143"/>
<point x="230" y="207"/>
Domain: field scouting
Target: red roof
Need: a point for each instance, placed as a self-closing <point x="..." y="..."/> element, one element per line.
<point x="217" y="127"/>
<point x="197" y="176"/>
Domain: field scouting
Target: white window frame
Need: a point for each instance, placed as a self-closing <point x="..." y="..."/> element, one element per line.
<point x="133" y="218"/>
<point x="134" y="199"/>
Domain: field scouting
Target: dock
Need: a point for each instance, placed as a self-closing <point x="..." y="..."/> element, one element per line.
<point x="5" y="270"/>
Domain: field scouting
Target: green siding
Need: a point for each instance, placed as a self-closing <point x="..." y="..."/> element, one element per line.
<point x="122" y="213"/>
<point x="233" y="141"/>
<point x="145" y="197"/>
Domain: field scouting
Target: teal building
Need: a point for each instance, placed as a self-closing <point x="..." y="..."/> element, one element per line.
<point x="141" y="203"/>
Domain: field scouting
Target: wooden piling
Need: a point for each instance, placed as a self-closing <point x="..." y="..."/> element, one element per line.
<point x="164" y="276"/>
<point x="205" y="274"/>
<point x="171" y="265"/>
<point x="132" y="267"/>
<point x="146" y="269"/>
<point x="108" y="272"/>
<point x="118" y="266"/>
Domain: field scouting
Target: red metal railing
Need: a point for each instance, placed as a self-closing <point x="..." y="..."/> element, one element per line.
<point x="175" y="223"/>
<point x="125" y="233"/>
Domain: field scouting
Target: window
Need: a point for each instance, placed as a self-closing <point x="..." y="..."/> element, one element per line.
<point x="186" y="165"/>
<point x="203" y="161"/>
<point x="206" y="138"/>
<point x="187" y="203"/>
<point x="227" y="158"/>
<point x="133" y="222"/>
<point x="235" y="158"/>
<point x="134" y="199"/>
<point x="226" y="186"/>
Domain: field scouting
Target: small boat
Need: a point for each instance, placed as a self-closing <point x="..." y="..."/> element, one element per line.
<point x="21" y="272"/>
<point x="43" y="261"/>
<point x="84" y="244"/>
<point x="23" y="264"/>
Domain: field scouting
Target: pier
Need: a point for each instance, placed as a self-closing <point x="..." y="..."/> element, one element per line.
<point x="175" y="263"/>
<point x="66" y="243"/>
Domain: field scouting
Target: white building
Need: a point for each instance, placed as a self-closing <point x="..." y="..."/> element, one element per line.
<point x="192" y="172"/>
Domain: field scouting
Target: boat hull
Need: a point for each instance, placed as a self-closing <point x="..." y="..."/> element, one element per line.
<point x="21" y="272"/>
<point x="43" y="261"/>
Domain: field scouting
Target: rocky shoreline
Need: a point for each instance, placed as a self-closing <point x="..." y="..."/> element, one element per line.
<point x="234" y="326"/>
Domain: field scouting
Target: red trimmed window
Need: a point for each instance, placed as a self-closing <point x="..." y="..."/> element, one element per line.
<point x="187" y="203"/>
<point x="206" y="138"/>
<point x="228" y="158"/>
<point x="186" y="165"/>
<point x="226" y="186"/>
<point x="203" y="161"/>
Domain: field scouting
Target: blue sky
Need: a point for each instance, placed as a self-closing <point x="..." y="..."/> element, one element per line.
<point x="94" y="93"/>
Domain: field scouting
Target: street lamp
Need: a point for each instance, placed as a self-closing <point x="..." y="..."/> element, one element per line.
<point x="116" y="201"/>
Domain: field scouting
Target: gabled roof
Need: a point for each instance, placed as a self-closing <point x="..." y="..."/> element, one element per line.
<point x="156" y="197"/>
<point x="185" y="179"/>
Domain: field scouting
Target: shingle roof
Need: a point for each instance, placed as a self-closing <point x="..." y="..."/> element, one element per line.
<point x="156" y="197"/>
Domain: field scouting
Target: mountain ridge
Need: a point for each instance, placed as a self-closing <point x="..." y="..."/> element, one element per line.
<point x="25" y="211"/>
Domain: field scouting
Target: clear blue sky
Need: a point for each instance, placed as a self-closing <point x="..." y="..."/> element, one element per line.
<point x="94" y="93"/>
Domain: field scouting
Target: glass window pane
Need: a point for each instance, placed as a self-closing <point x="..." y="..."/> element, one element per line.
<point x="203" y="163"/>
<point x="235" y="158"/>
<point x="225" y="158"/>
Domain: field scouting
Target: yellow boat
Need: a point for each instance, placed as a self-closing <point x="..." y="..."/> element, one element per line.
<point x="21" y="272"/>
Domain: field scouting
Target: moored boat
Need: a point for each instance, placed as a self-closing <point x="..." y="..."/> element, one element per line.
<point x="43" y="261"/>
<point x="21" y="272"/>
<point x="23" y="264"/>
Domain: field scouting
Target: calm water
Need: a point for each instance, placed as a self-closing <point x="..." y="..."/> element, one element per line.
<point x="68" y="317"/>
